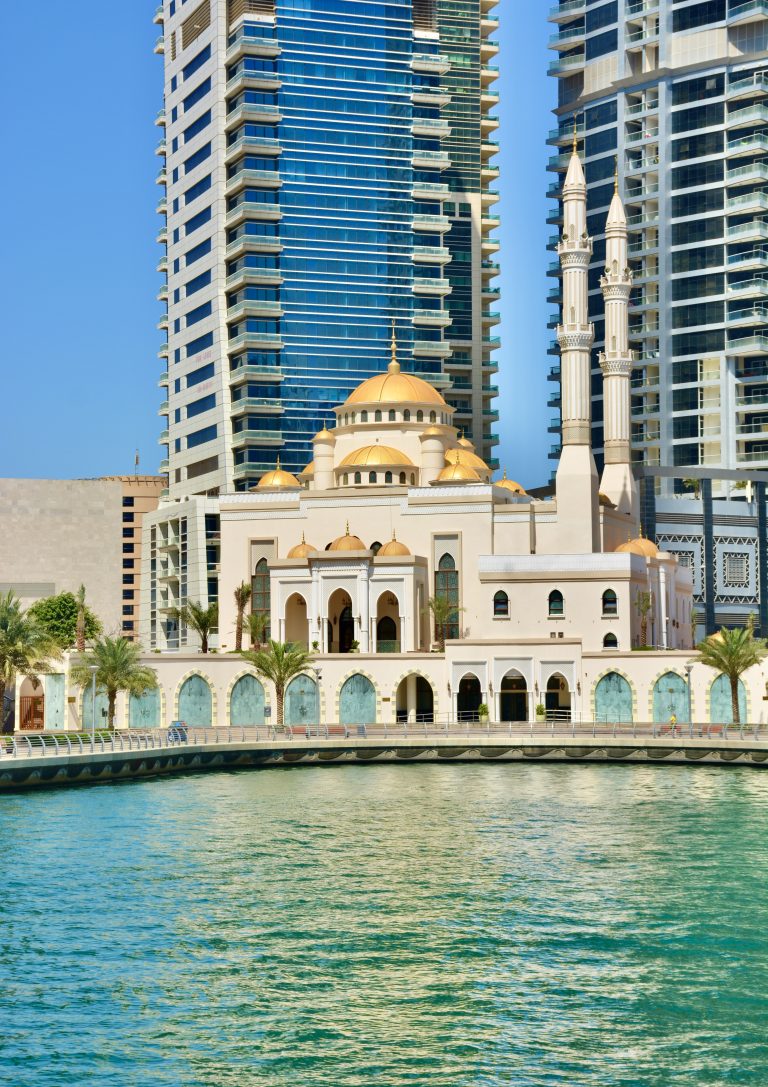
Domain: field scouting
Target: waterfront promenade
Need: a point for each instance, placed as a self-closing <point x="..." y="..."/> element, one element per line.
<point x="51" y="759"/>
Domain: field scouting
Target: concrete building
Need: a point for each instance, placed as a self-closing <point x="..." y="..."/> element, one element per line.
<point x="674" y="97"/>
<point x="322" y="176"/>
<point x="58" y="534"/>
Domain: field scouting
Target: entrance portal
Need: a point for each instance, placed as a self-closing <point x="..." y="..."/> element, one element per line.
<point x="513" y="699"/>
<point x="469" y="698"/>
<point x="557" y="699"/>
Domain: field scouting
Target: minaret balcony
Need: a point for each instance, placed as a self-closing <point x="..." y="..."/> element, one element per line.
<point x="265" y="113"/>
<point x="749" y="12"/>
<point x="253" y="211"/>
<point x="432" y="286"/>
<point x="750" y="115"/>
<point x="431" y="63"/>
<point x="245" y="46"/>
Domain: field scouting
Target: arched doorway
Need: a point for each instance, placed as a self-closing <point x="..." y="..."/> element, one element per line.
<point x="670" y="698"/>
<point x="31" y="705"/>
<point x="513" y="698"/>
<point x="613" y="699"/>
<point x="341" y="622"/>
<point x="469" y="698"/>
<point x="357" y="701"/>
<point x="144" y="709"/>
<point x="415" y="699"/>
<point x="55" y="700"/>
<point x="246" y="704"/>
<point x="296" y="620"/>
<point x="302" y="702"/>
<point x="720" y="702"/>
<point x="196" y="702"/>
<point x="101" y="708"/>
<point x="557" y="698"/>
<point x="387" y="624"/>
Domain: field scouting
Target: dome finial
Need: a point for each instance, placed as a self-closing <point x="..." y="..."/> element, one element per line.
<point x="616" y="175"/>
<point x="394" y="365"/>
<point x="277" y="465"/>
<point x="575" y="136"/>
<point x="505" y="474"/>
<point x="347" y="530"/>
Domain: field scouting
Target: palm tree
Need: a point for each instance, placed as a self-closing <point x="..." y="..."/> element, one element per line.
<point x="26" y="648"/>
<point x="279" y="663"/>
<point x="644" y="605"/>
<point x="202" y="620"/>
<point x="444" y="614"/>
<point x="80" y="627"/>
<point x="118" y="668"/>
<point x="731" y="653"/>
<point x="258" y="625"/>
<point x="242" y="596"/>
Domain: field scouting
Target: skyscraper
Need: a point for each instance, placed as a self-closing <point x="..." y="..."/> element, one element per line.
<point x="672" y="96"/>
<point x="326" y="173"/>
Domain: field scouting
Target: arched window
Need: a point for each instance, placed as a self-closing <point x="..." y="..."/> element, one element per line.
<point x="363" y="416"/>
<point x="371" y="477"/>
<point x="500" y="603"/>
<point x="406" y="416"/>
<point x="346" y="479"/>
<point x="610" y="603"/>
<point x="433" y="417"/>
<point x="358" y="478"/>
<point x="556" y="603"/>
<point x="402" y="477"/>
<point x="413" y="480"/>
<point x="346" y="419"/>
<point x="610" y="641"/>
<point x="447" y="587"/>
<point x="392" y="415"/>
<point x="375" y="547"/>
<point x="260" y="594"/>
<point x="353" y="417"/>
<point x="377" y="417"/>
<point x="419" y="416"/>
<point x="387" y="477"/>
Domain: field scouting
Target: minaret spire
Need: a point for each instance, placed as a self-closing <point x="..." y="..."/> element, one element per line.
<point x="616" y="363"/>
<point x="577" y="507"/>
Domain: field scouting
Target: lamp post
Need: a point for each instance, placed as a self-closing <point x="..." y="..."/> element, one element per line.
<point x="94" y="669"/>
<point x="688" y="670"/>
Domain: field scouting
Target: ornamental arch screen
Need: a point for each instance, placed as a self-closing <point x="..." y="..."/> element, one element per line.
<point x="613" y="699"/>
<point x="447" y="588"/>
<point x="144" y="709"/>
<point x="302" y="704"/>
<point x="357" y="701"/>
<point x="720" y="702"/>
<point x="196" y="702"/>
<point x="670" y="698"/>
<point x="260" y="594"/>
<point x="246" y="704"/>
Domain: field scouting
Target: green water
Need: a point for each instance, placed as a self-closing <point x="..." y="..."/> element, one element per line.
<point x="350" y="926"/>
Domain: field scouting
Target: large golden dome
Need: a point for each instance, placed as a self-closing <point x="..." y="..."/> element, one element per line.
<point x="278" y="479"/>
<point x="467" y="457"/>
<point x="458" y="473"/>
<point x="302" y="550"/>
<point x="395" y="387"/>
<point x="509" y="484"/>
<point x="394" y="547"/>
<point x="347" y="543"/>
<point x="647" y="549"/>
<point x="309" y="470"/>
<point x="376" y="456"/>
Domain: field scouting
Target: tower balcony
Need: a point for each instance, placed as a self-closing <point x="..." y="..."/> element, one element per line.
<point x="563" y="137"/>
<point x="430" y="222"/>
<point x="253" y="81"/>
<point x="432" y="318"/>
<point x="162" y="324"/>
<point x="162" y="178"/>
<point x="751" y="11"/>
<point x="160" y="118"/>
<point x="636" y="9"/>
<point x="432" y="286"/>
<point x="488" y="173"/>
<point x="754" y="144"/>
<point x="245" y="277"/>
<point x="253" y="211"/>
<point x="749" y="288"/>
<point x="245" y="46"/>
<point x="164" y="352"/>
<point x="430" y="160"/>
<point x="428" y="96"/>
<point x="568" y="37"/>
<point x="159" y="46"/>
<point x="164" y="380"/>
<point x="748" y="346"/>
<point x="253" y="179"/>
<point x="567" y="9"/>
<point x="253" y="243"/>
<point x="567" y="65"/>
<point x="256" y="145"/>
<point x="489" y="73"/>
<point x="271" y="341"/>
<point x="162" y="207"/>
<point x="162" y="265"/>
<point x="164" y="409"/>
<point x="432" y="63"/>
<point x="434" y="348"/>
<point x="753" y="86"/>
<point x="748" y="315"/>
<point x="163" y="467"/>
<point x="751" y="259"/>
<point x="491" y="318"/>
<point x="431" y="127"/>
<point x="252" y="307"/>
<point x="754" y="231"/>
<point x="246" y="438"/>
<point x="256" y="404"/>
<point x="489" y="246"/>
<point x="752" y="174"/>
<point x="488" y="49"/>
<point x="253" y="372"/>
<point x="162" y="294"/>
<point x="164" y="438"/>
<point x="431" y="254"/>
<point x="430" y="190"/>
<point x="161" y="148"/>
<point x="488" y="125"/>
<point x="255" y="112"/>
<point x="162" y="238"/>
<point x="159" y="16"/>
<point x="749" y="115"/>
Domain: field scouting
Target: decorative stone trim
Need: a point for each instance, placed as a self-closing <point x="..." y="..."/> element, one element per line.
<point x="211" y="684"/>
<point x="570" y="341"/>
<point x="602" y="675"/>
<point x="368" y="676"/>
<point x="615" y="290"/>
<point x="615" y="367"/>
<point x="652" y="688"/>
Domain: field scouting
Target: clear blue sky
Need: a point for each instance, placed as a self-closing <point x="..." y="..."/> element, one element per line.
<point x="77" y="219"/>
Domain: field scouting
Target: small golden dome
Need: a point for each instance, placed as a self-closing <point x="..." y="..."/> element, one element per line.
<point x="302" y="550"/>
<point x="375" y="456"/>
<point x="458" y="473"/>
<point x="647" y="549"/>
<point x="605" y="501"/>
<point x="509" y="484"/>
<point x="433" y="432"/>
<point x="395" y="387"/>
<point x="309" y="470"/>
<point x="394" y="547"/>
<point x="348" y="543"/>
<point x="323" y="435"/>
<point x="277" y="479"/>
<point x="466" y="457"/>
<point x="465" y="443"/>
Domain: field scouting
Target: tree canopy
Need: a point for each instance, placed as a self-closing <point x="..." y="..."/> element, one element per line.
<point x="57" y="615"/>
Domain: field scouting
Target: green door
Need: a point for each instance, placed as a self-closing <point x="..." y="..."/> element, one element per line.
<point x="670" y="698"/>
<point x="246" y="706"/>
<point x="196" y="703"/>
<point x="302" y="705"/>
<point x="721" y="707"/>
<point x="613" y="699"/>
<point x="144" y="709"/>
<point x="357" y="702"/>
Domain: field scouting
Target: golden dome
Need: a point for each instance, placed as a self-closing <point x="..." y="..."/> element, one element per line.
<point x="348" y="543"/>
<point x="309" y="470"/>
<point x="302" y="550"/>
<point x="277" y="479"/>
<point x="509" y="484"/>
<point x="394" y="547"/>
<point x="395" y="387"/>
<point x="467" y="457"/>
<point x="375" y="456"/>
<point x="323" y="435"/>
<point x="647" y="549"/>
<point x="433" y="432"/>
<point x="465" y="443"/>
<point x="458" y="473"/>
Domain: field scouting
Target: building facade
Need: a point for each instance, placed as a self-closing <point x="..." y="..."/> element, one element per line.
<point x="325" y="174"/>
<point x="673" y="96"/>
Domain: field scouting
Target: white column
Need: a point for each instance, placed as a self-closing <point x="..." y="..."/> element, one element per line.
<point x="410" y="698"/>
<point x="364" y="604"/>
<point x="663" y="616"/>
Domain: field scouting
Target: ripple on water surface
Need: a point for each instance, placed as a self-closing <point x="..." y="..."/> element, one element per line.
<point x="441" y="926"/>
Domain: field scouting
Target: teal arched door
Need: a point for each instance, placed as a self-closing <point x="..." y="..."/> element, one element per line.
<point x="196" y="702"/>
<point x="55" y="701"/>
<point x="670" y="698"/>
<point x="246" y="706"/>
<point x="357" y="701"/>
<point x="302" y="704"/>
<point x="721" y="705"/>
<point x="613" y="699"/>
<point x="102" y="710"/>
<point x="144" y="710"/>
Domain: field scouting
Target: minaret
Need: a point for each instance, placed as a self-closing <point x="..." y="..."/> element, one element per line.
<point x="576" y="481"/>
<point x="616" y="361"/>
